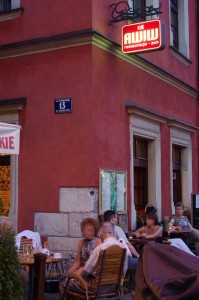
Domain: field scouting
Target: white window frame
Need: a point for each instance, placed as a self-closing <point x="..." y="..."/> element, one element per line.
<point x="183" y="27"/>
<point x="12" y="118"/>
<point x="15" y="4"/>
<point x="144" y="126"/>
<point x="182" y="138"/>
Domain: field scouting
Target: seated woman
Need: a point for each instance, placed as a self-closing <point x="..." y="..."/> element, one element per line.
<point x="89" y="229"/>
<point x="152" y="230"/>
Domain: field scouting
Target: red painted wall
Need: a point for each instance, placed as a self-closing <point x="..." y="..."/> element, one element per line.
<point x="114" y="83"/>
<point x="69" y="149"/>
<point x="45" y="18"/>
<point x="55" y="150"/>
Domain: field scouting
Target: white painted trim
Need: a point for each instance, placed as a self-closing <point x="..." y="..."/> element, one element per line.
<point x="149" y="129"/>
<point x="12" y="118"/>
<point x="183" y="32"/>
<point x="182" y="138"/>
<point x="15" y="4"/>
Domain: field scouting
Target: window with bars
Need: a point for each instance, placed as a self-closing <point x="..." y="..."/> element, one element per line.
<point x="140" y="173"/>
<point x="4" y="184"/>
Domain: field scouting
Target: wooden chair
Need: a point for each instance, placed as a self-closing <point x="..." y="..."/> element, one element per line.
<point x="109" y="272"/>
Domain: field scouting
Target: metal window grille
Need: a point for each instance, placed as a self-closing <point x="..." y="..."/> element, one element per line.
<point x="174" y="23"/>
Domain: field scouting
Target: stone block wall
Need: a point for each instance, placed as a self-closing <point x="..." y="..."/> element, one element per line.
<point x="62" y="228"/>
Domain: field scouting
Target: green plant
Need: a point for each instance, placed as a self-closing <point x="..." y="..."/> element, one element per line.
<point x="2" y="211"/>
<point x="10" y="283"/>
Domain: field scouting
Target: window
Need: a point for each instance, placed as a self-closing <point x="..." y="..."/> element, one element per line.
<point x="179" y="26"/>
<point x="181" y="163"/>
<point x="140" y="5"/>
<point x="5" y="5"/>
<point x="140" y="173"/>
<point x="4" y="184"/>
<point x="174" y="22"/>
<point x="177" y="180"/>
<point x="9" y="5"/>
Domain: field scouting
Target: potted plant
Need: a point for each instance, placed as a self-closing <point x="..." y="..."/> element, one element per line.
<point x="10" y="283"/>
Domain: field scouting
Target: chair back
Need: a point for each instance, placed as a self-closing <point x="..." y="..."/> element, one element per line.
<point x="24" y="241"/>
<point x="110" y="266"/>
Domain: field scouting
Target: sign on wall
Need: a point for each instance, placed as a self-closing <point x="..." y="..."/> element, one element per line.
<point x="9" y="138"/>
<point x="143" y="37"/>
<point x="112" y="192"/>
<point x="63" y="105"/>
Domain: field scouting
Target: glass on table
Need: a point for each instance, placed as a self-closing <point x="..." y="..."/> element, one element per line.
<point x="27" y="250"/>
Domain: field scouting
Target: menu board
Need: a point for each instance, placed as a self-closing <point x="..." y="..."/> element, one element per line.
<point x="112" y="193"/>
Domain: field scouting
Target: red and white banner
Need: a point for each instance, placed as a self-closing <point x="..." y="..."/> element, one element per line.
<point x="9" y="138"/>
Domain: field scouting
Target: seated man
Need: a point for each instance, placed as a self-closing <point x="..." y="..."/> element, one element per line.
<point x="111" y="216"/>
<point x="107" y="233"/>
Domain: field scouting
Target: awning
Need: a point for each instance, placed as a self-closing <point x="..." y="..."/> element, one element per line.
<point x="9" y="138"/>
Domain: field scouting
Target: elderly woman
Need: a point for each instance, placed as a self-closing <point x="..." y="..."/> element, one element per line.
<point x="152" y="230"/>
<point x="180" y="222"/>
<point x="89" y="229"/>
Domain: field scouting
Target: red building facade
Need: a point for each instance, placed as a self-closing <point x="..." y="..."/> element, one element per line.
<point x="137" y="113"/>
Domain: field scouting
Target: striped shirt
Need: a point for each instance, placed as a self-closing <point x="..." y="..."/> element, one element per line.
<point x="91" y="264"/>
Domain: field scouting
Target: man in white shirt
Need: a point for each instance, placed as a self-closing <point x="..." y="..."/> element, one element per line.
<point x="111" y="216"/>
<point x="107" y="233"/>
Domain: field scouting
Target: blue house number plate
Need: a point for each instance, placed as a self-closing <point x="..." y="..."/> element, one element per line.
<point x="63" y="105"/>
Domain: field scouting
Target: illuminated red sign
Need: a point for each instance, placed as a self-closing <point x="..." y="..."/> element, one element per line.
<point x="142" y="37"/>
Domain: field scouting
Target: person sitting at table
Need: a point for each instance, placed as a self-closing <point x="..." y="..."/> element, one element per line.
<point x="89" y="229"/>
<point x="107" y="233"/>
<point x="179" y="222"/>
<point x="151" y="230"/>
<point x="111" y="216"/>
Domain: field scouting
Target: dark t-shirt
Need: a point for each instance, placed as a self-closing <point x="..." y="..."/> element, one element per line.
<point x="181" y="221"/>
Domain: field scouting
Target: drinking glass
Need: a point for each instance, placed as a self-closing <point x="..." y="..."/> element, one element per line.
<point x="25" y="250"/>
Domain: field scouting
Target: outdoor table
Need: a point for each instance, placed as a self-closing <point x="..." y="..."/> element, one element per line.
<point x="137" y="241"/>
<point x="52" y="264"/>
<point x="182" y="234"/>
<point x="25" y="261"/>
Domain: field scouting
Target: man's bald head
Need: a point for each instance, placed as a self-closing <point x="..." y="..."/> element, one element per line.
<point x="107" y="230"/>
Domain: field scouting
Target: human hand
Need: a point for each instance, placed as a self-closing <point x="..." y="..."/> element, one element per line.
<point x="143" y="235"/>
<point x="137" y="235"/>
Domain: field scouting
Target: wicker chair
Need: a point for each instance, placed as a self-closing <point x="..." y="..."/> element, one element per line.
<point x="109" y="272"/>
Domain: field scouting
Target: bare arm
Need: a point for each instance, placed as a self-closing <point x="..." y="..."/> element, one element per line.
<point x="138" y="232"/>
<point x="156" y="234"/>
<point x="76" y="263"/>
<point x="132" y="249"/>
<point x="191" y="227"/>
